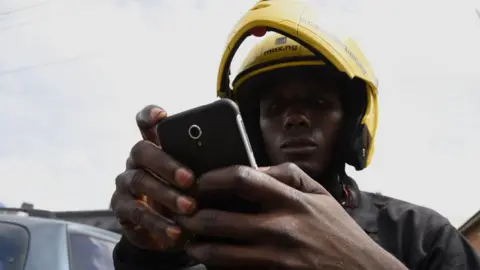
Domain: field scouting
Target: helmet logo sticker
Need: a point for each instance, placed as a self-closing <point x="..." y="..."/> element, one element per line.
<point x="281" y="49"/>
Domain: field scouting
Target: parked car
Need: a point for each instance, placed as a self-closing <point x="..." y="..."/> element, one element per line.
<point x="47" y="243"/>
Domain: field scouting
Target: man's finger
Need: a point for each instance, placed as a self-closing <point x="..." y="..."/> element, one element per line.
<point x="223" y="256"/>
<point x="247" y="183"/>
<point x="147" y="119"/>
<point x="151" y="157"/>
<point x="228" y="225"/>
<point x="139" y="214"/>
<point x="142" y="225"/>
<point x="139" y="183"/>
<point x="130" y="164"/>
<point x="137" y="235"/>
<point x="291" y="175"/>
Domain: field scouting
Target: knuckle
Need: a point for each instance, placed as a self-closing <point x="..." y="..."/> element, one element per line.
<point x="129" y="163"/>
<point x="137" y="181"/>
<point x="291" y="167"/>
<point x="138" y="214"/>
<point x="114" y="201"/>
<point x="120" y="181"/>
<point x="138" y="149"/>
<point x="241" y="174"/>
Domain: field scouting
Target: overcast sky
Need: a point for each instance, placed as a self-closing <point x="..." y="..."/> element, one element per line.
<point x="74" y="73"/>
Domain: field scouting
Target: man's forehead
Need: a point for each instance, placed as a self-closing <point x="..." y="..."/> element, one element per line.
<point x="299" y="87"/>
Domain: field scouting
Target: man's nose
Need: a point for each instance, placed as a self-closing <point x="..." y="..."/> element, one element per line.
<point x="296" y="119"/>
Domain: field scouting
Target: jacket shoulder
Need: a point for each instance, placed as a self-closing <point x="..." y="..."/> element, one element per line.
<point x="393" y="210"/>
<point x="421" y="237"/>
<point x="408" y="231"/>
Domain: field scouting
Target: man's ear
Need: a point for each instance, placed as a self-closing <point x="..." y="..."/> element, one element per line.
<point x="353" y="142"/>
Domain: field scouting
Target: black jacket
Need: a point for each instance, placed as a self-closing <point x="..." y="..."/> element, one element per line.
<point x="417" y="236"/>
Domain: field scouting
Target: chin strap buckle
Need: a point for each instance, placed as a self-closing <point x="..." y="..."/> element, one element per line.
<point x="349" y="198"/>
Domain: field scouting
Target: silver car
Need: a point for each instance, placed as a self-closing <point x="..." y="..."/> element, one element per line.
<point x="35" y="243"/>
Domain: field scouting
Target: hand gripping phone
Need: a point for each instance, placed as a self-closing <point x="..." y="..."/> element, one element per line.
<point x="208" y="137"/>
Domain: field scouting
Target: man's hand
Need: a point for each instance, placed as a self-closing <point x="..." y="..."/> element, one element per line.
<point x="151" y="189"/>
<point x="301" y="225"/>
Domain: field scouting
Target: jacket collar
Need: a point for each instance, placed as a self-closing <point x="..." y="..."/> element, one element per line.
<point x="361" y="206"/>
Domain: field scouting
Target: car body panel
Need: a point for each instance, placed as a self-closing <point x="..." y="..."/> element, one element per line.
<point x="49" y="241"/>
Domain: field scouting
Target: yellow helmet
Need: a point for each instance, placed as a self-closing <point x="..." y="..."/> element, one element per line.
<point x="299" y="41"/>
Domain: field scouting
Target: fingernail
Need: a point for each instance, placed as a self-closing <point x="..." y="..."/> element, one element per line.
<point x="173" y="232"/>
<point x="183" y="177"/>
<point x="185" y="204"/>
<point x="157" y="114"/>
<point x="264" y="169"/>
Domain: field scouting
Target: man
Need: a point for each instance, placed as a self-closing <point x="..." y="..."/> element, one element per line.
<point x="308" y="114"/>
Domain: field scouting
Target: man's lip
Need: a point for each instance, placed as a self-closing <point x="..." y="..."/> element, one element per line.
<point x="299" y="150"/>
<point x="298" y="144"/>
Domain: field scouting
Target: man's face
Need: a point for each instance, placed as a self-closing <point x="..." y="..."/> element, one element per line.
<point x="300" y="119"/>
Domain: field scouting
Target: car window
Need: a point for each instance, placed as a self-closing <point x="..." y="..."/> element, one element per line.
<point x="89" y="253"/>
<point x="14" y="241"/>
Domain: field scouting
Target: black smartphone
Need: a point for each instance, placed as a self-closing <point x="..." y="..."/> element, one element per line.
<point x="207" y="137"/>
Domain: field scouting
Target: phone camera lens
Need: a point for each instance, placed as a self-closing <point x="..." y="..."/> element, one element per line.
<point x="195" y="132"/>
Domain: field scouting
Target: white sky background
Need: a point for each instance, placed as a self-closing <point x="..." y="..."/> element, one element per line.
<point x="74" y="73"/>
